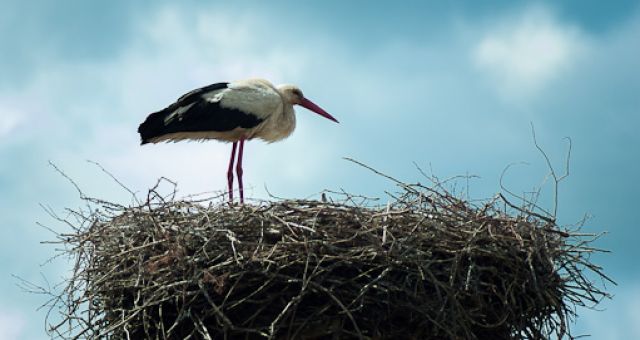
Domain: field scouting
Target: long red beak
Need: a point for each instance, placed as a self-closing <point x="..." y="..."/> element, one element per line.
<point x="306" y="103"/>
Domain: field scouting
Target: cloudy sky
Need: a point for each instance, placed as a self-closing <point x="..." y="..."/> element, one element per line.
<point x="452" y="87"/>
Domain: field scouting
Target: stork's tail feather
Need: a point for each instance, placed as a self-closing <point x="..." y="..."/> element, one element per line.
<point x="152" y="127"/>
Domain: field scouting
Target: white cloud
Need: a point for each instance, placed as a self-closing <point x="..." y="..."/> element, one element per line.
<point x="11" y="325"/>
<point x="209" y="45"/>
<point x="615" y="319"/>
<point x="522" y="54"/>
<point x="633" y="313"/>
<point x="9" y="120"/>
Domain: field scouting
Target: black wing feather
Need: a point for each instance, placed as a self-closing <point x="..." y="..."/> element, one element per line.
<point x="202" y="116"/>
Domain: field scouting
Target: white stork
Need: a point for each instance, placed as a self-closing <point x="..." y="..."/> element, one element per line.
<point x="230" y="112"/>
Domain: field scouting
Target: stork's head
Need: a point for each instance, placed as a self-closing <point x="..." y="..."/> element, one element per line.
<point x="294" y="96"/>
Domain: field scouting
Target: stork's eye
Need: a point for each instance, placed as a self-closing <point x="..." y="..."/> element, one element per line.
<point x="297" y="93"/>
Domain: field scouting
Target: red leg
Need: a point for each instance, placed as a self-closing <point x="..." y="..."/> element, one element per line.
<point x="239" y="171"/>
<point x="230" y="171"/>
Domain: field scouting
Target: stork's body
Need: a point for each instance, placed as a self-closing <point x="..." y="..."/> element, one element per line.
<point x="232" y="112"/>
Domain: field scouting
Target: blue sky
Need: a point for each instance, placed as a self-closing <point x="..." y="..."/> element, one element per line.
<point x="452" y="87"/>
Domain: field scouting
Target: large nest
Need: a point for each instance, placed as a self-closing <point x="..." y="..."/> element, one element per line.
<point x="428" y="265"/>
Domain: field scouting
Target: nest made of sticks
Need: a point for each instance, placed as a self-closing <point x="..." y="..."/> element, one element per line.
<point x="428" y="265"/>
